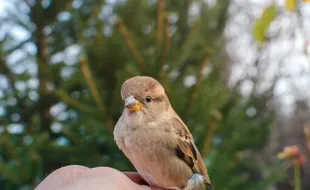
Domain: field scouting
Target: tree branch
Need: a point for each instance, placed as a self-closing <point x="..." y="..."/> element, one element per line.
<point x="76" y="104"/>
<point x="160" y="18"/>
<point x="166" y="43"/>
<point x="128" y="38"/>
<point x="185" y="49"/>
<point x="42" y="61"/>
<point x="207" y="142"/>
<point x="91" y="84"/>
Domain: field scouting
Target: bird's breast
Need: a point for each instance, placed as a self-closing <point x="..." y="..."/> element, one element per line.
<point x="151" y="152"/>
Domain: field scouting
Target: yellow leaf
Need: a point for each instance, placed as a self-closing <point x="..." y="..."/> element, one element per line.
<point x="262" y="24"/>
<point x="291" y="5"/>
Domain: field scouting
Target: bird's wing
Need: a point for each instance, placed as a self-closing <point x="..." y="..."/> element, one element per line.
<point x="187" y="151"/>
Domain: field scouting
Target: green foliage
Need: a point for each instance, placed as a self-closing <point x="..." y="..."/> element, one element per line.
<point x="118" y="41"/>
<point x="262" y="24"/>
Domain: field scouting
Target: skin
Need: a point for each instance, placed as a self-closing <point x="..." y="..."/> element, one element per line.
<point x="100" y="178"/>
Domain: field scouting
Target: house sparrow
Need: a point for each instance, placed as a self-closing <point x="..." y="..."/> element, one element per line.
<point x="155" y="139"/>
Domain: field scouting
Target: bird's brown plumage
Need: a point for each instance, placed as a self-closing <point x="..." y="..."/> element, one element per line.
<point x="139" y="86"/>
<point x="181" y="141"/>
<point x="187" y="150"/>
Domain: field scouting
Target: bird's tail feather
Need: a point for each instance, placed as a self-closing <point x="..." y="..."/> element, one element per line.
<point x="197" y="182"/>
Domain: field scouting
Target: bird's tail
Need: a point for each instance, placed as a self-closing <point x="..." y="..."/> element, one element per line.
<point x="197" y="182"/>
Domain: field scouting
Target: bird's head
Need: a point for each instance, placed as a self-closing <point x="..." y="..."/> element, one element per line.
<point x="145" y="96"/>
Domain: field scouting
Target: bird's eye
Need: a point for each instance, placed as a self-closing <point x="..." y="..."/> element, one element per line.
<point x="148" y="99"/>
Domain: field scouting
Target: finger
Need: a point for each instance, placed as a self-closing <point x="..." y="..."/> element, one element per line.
<point x="135" y="177"/>
<point x="61" y="177"/>
<point x="111" y="178"/>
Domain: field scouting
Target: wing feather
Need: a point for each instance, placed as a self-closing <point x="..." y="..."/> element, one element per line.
<point x="187" y="151"/>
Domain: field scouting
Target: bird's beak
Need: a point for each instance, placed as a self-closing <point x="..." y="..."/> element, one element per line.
<point x="132" y="104"/>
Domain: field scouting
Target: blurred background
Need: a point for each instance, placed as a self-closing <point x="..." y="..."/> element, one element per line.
<point x="236" y="71"/>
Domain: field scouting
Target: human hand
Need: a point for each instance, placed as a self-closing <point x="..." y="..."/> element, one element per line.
<point x="100" y="178"/>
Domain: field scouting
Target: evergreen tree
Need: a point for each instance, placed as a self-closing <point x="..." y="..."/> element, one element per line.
<point x="61" y="101"/>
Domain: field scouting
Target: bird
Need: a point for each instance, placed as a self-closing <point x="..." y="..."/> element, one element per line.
<point x="156" y="140"/>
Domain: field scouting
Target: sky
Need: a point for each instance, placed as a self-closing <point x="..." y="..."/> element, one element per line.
<point x="287" y="55"/>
